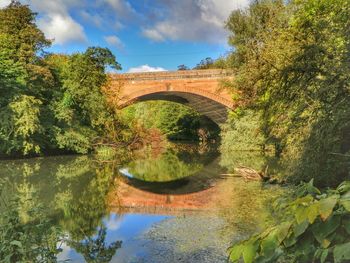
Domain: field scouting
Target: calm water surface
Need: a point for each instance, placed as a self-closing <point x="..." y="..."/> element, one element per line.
<point x="171" y="204"/>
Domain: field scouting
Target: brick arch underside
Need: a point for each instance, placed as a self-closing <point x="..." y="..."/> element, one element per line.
<point x="208" y="104"/>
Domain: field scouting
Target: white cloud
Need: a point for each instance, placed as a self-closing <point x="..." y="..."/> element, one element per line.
<point x="114" y="222"/>
<point x="4" y="3"/>
<point x="61" y="28"/>
<point x="192" y="20"/>
<point x="56" y="22"/>
<point x="154" y="34"/>
<point x="145" y="68"/>
<point x="94" y="19"/>
<point x="114" y="41"/>
<point x="160" y="20"/>
<point x="122" y="7"/>
<point x="118" y="25"/>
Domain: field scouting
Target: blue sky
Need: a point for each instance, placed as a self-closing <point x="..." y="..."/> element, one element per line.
<point x="145" y="35"/>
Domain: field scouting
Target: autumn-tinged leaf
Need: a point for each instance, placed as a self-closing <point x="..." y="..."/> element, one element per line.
<point x="326" y="206"/>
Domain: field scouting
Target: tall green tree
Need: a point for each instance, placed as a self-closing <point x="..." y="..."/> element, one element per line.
<point x="23" y="77"/>
<point x="79" y="106"/>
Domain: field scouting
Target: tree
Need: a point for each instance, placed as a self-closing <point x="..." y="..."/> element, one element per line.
<point x="205" y="64"/>
<point x="20" y="35"/>
<point x="80" y="107"/>
<point x="22" y="78"/>
<point x="182" y="67"/>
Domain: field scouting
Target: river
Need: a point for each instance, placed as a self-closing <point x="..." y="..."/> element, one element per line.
<point x="178" y="203"/>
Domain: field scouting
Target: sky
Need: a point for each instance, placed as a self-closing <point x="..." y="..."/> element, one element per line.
<point x="144" y="35"/>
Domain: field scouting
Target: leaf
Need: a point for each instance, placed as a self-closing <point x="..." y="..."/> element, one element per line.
<point x="305" y="201"/>
<point x="16" y="243"/>
<point x="282" y="231"/>
<point x="301" y="214"/>
<point x="344" y="187"/>
<point x="290" y="241"/>
<point x="322" y="230"/>
<point x="325" y="243"/>
<point x="341" y="252"/>
<point x="269" y="245"/>
<point x="235" y="253"/>
<point x="249" y="252"/>
<point x="311" y="188"/>
<point x="326" y="206"/>
<point x="313" y="212"/>
<point x="346" y="225"/>
<point x="321" y="254"/>
<point x="324" y="255"/>
<point x="299" y="229"/>
<point x="345" y="202"/>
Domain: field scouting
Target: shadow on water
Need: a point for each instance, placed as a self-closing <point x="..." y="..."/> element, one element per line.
<point x="148" y="209"/>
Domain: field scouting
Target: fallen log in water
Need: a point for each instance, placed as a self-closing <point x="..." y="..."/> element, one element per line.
<point x="249" y="174"/>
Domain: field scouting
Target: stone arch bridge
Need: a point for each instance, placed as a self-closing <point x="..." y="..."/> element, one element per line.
<point x="199" y="89"/>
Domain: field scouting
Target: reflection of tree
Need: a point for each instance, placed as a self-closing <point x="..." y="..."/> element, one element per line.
<point x="67" y="191"/>
<point x="27" y="233"/>
<point x="85" y="209"/>
<point x="166" y="167"/>
<point x="95" y="250"/>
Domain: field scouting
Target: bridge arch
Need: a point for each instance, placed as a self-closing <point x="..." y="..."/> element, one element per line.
<point x="199" y="89"/>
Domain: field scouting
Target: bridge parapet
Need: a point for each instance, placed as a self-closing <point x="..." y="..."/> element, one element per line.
<point x="171" y="75"/>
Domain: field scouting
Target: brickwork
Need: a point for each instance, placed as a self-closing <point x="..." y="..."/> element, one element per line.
<point x="205" y="84"/>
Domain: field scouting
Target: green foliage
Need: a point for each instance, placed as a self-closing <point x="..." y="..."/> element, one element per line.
<point x="209" y="63"/>
<point x="291" y="62"/>
<point x="52" y="102"/>
<point x="314" y="228"/>
<point x="176" y="121"/>
<point x="19" y="34"/>
<point x="242" y="132"/>
<point x="205" y="64"/>
<point x="26" y="122"/>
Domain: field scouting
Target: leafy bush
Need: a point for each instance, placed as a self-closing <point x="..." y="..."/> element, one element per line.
<point x="315" y="228"/>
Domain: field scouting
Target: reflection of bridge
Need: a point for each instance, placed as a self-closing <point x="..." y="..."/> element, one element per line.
<point x="130" y="199"/>
<point x="198" y="192"/>
<point x="199" y="89"/>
